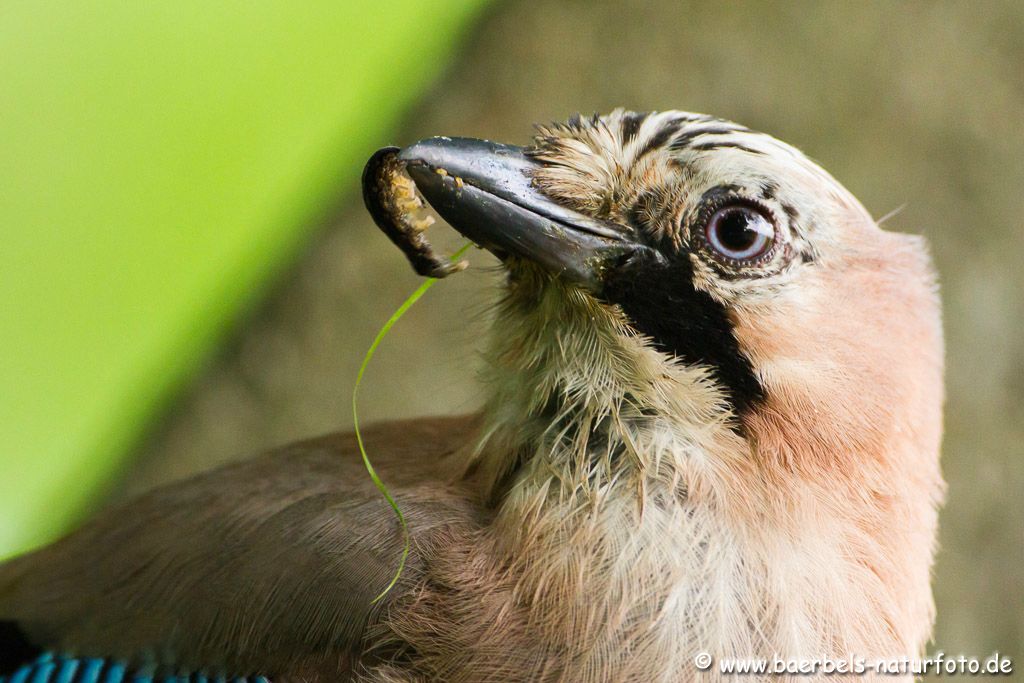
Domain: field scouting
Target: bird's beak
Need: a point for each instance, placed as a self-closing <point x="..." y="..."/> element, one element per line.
<point x="485" y="191"/>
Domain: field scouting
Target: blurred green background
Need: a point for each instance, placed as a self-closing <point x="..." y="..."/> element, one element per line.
<point x="179" y="202"/>
<point x="159" y="163"/>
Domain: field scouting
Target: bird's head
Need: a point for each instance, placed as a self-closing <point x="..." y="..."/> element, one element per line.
<point x="677" y="266"/>
<point x="697" y="312"/>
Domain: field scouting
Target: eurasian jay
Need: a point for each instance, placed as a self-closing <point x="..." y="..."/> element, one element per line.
<point x="713" y="425"/>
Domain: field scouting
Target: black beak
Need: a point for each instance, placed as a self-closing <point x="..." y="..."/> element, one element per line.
<point x="484" y="190"/>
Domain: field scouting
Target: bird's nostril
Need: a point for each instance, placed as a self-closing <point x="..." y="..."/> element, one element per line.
<point x="623" y="260"/>
<point x="634" y="256"/>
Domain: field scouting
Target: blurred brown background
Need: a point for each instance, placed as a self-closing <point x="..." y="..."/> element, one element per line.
<point x="916" y="105"/>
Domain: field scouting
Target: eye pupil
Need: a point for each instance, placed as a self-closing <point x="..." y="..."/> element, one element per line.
<point x="734" y="230"/>
<point x="739" y="232"/>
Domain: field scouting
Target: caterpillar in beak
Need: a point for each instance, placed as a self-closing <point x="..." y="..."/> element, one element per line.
<point x="398" y="209"/>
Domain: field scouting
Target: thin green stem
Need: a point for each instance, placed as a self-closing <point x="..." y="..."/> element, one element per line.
<point x="406" y="305"/>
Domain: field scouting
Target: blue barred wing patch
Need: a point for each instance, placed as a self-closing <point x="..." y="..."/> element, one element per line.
<point x="52" y="668"/>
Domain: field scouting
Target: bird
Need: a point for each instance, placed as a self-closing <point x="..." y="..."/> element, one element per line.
<point x="712" y="424"/>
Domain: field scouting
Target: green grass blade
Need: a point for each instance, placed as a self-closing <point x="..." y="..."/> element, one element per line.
<point x="406" y="305"/>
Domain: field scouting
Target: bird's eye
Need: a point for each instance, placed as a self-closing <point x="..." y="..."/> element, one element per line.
<point x="740" y="232"/>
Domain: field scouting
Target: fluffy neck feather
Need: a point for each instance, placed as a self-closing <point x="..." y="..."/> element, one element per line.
<point x="637" y="520"/>
<point x="577" y="394"/>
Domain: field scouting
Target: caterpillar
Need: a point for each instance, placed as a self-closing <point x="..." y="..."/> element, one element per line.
<point x="398" y="208"/>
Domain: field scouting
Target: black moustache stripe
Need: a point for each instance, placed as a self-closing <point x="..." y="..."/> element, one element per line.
<point x="683" y="321"/>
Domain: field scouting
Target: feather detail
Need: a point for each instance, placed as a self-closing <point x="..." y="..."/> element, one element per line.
<point x="54" y="668"/>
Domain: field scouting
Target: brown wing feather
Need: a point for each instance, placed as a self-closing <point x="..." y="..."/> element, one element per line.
<point x="267" y="566"/>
